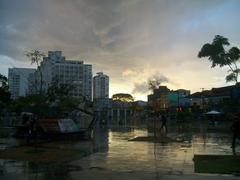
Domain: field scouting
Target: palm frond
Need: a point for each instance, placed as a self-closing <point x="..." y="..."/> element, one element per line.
<point x="231" y="77"/>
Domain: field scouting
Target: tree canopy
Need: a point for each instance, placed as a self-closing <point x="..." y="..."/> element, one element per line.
<point x="57" y="91"/>
<point x="123" y="97"/>
<point x="36" y="57"/>
<point x="53" y="103"/>
<point x="3" y="81"/>
<point x="153" y="84"/>
<point x="4" y="93"/>
<point x="219" y="55"/>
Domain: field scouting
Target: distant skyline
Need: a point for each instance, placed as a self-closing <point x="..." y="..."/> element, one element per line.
<point x="129" y="40"/>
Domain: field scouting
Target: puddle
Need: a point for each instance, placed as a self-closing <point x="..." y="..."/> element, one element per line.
<point x="113" y="152"/>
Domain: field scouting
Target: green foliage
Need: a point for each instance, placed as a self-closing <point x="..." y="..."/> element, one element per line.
<point x="54" y="103"/>
<point x="231" y="77"/>
<point x="123" y="97"/>
<point x="68" y="104"/>
<point x="4" y="93"/>
<point x="36" y="57"/>
<point x="234" y="54"/>
<point x="58" y="95"/>
<point x="41" y="106"/>
<point x="34" y="103"/>
<point x="58" y="91"/>
<point x="218" y="55"/>
<point x="3" y="82"/>
<point x="153" y="84"/>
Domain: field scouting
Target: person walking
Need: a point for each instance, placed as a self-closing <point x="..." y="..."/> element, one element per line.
<point x="163" y="127"/>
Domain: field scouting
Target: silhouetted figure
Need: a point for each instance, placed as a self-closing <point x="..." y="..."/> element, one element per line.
<point x="163" y="127"/>
<point x="155" y="119"/>
<point x="26" y="122"/>
<point x="25" y="119"/>
<point x="34" y="129"/>
<point x="236" y="130"/>
<point x="30" y="126"/>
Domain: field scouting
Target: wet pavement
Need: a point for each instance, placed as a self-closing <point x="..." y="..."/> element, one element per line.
<point x="114" y="157"/>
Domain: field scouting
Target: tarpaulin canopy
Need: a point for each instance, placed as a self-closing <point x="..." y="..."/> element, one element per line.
<point x="67" y="126"/>
<point x="59" y="125"/>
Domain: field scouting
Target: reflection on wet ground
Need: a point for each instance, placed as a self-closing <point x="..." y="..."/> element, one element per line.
<point x="113" y="152"/>
<point x="176" y="158"/>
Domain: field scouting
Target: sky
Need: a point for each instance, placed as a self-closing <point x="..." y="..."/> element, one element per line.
<point x="132" y="41"/>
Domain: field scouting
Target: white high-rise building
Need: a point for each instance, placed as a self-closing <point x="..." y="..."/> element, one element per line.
<point x="100" y="86"/>
<point x="18" y="81"/>
<point x="74" y="72"/>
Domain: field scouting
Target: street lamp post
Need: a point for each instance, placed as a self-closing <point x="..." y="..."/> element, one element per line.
<point x="202" y="99"/>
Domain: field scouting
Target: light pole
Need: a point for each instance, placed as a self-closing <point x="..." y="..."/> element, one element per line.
<point x="202" y="99"/>
<point x="178" y="99"/>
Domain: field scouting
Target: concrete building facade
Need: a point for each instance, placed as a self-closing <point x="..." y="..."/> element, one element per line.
<point x="159" y="99"/>
<point x="100" y="86"/>
<point x="178" y="98"/>
<point x="18" y="81"/>
<point x="55" y="68"/>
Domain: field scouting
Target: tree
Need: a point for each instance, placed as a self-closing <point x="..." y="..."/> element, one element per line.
<point x="3" y="82"/>
<point x="153" y="84"/>
<point x="123" y="97"/>
<point x="57" y="91"/>
<point x="220" y="56"/>
<point x="4" y="93"/>
<point x="36" y="57"/>
<point x="58" y="95"/>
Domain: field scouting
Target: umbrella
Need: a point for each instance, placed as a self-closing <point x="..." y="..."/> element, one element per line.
<point x="213" y="112"/>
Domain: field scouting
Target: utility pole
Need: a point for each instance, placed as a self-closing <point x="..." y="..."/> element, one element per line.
<point x="178" y="99"/>
<point x="202" y="99"/>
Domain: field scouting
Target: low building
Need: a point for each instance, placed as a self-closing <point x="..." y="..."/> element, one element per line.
<point x="113" y="112"/>
<point x="178" y="98"/>
<point x="159" y="99"/>
<point x="121" y="112"/>
<point x="212" y="98"/>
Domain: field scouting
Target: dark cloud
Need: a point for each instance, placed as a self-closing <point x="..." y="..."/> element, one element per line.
<point x="116" y="35"/>
<point x="102" y="26"/>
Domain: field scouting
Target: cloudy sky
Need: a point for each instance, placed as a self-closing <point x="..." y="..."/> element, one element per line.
<point x="130" y="40"/>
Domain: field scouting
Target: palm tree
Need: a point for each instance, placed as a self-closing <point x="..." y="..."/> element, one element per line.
<point x="36" y="57"/>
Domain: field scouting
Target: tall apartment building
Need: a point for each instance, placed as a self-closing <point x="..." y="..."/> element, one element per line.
<point x="55" y="67"/>
<point x="100" y="86"/>
<point x="18" y="81"/>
